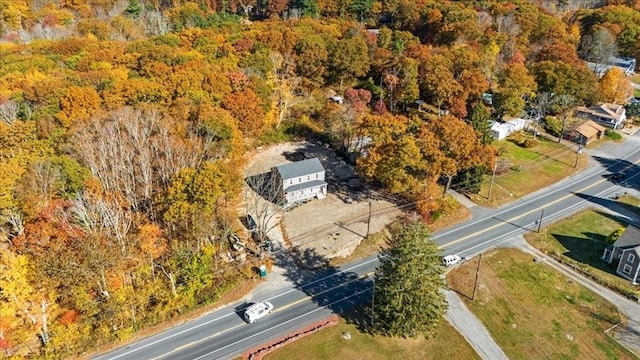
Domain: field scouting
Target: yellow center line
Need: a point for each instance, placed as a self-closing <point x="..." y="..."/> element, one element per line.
<point x="511" y="220"/>
<point x="306" y="298"/>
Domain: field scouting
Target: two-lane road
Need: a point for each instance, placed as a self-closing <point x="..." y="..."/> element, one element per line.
<point x="223" y="334"/>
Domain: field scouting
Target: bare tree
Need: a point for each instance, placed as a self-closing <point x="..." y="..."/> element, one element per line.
<point x="598" y="47"/>
<point x="136" y="153"/>
<point x="264" y="203"/>
<point x="104" y="216"/>
<point x="540" y="107"/>
<point x="9" y="111"/>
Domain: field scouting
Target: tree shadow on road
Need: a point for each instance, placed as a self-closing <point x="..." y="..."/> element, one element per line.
<point x="627" y="213"/>
<point x="621" y="172"/>
<point x="342" y="292"/>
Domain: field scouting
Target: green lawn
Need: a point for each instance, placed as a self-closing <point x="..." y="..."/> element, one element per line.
<point x="329" y="344"/>
<point x="580" y="240"/>
<point x="534" y="312"/>
<point x="523" y="171"/>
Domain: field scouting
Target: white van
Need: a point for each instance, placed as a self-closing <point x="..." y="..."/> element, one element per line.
<point x="451" y="260"/>
<point x="256" y="311"/>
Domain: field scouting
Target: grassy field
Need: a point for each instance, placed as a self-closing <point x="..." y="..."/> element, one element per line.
<point x="529" y="170"/>
<point x="534" y="312"/>
<point x="581" y="239"/>
<point x="329" y="344"/>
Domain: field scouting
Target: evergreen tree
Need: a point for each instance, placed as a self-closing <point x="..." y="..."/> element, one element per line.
<point x="408" y="301"/>
<point x="479" y="119"/>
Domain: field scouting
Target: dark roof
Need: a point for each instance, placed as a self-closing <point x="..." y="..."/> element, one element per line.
<point x="300" y="168"/>
<point x="630" y="238"/>
<point x="304" y="185"/>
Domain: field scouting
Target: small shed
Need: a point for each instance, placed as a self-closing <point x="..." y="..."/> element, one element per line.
<point x="501" y="130"/>
<point x="586" y="132"/>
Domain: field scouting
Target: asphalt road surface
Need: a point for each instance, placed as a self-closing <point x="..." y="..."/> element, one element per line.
<point x="223" y="334"/>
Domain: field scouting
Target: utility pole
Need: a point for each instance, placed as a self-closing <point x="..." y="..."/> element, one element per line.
<point x="493" y="177"/>
<point x="578" y="152"/>
<point x="369" y="221"/>
<point x="475" y="283"/>
<point x="540" y="221"/>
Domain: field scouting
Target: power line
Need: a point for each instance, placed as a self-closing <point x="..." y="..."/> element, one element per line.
<point x="323" y="229"/>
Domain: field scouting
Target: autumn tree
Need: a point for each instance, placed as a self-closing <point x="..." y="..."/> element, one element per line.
<point x="392" y="156"/>
<point x="408" y="284"/>
<point x="615" y="87"/>
<point x="312" y="58"/>
<point x="450" y="145"/>
<point x="437" y="82"/>
<point x="246" y="107"/>
<point x="514" y="83"/>
<point x="349" y="58"/>
<point x="288" y="91"/>
<point x="559" y="77"/>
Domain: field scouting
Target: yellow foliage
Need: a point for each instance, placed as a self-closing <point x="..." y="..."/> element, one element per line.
<point x="78" y="104"/>
<point x="13" y="11"/>
<point x="615" y="87"/>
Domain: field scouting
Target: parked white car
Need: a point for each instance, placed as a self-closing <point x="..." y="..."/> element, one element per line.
<point x="451" y="260"/>
<point x="257" y="311"/>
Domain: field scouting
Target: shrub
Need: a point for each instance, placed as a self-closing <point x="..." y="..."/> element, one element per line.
<point x="613" y="135"/>
<point x="530" y="143"/>
<point x="615" y="235"/>
<point x="553" y="125"/>
<point x="518" y="138"/>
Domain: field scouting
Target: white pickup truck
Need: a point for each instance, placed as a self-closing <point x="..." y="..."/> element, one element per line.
<point x="256" y="311"/>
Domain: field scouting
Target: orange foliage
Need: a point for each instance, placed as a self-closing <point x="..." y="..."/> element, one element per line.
<point x="78" y="104"/>
<point x="69" y="317"/>
<point x="246" y="107"/>
<point x="151" y="241"/>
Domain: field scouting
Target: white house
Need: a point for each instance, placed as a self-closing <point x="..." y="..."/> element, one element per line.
<point x="300" y="181"/>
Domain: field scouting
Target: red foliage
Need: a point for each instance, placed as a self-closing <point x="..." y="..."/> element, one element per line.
<point x="243" y="45"/>
<point x="358" y="98"/>
<point x="69" y="317"/>
<point x="238" y="81"/>
<point x="380" y="107"/>
<point x="4" y="344"/>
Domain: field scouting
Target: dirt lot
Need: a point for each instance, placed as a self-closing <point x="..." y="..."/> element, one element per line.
<point x="333" y="226"/>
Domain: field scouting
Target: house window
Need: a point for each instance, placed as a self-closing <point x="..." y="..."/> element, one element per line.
<point x="316" y="176"/>
<point x="631" y="258"/>
<point x="308" y="177"/>
<point x="619" y="256"/>
<point x="299" y="180"/>
<point x="627" y="269"/>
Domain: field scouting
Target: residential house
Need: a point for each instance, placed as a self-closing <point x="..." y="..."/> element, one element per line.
<point x="502" y="130"/>
<point x="585" y="132"/>
<point x="625" y="254"/>
<point x="626" y="64"/>
<point x="611" y="115"/>
<point x="300" y="181"/>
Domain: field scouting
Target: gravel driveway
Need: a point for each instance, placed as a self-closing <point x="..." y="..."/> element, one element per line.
<point x="333" y="226"/>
